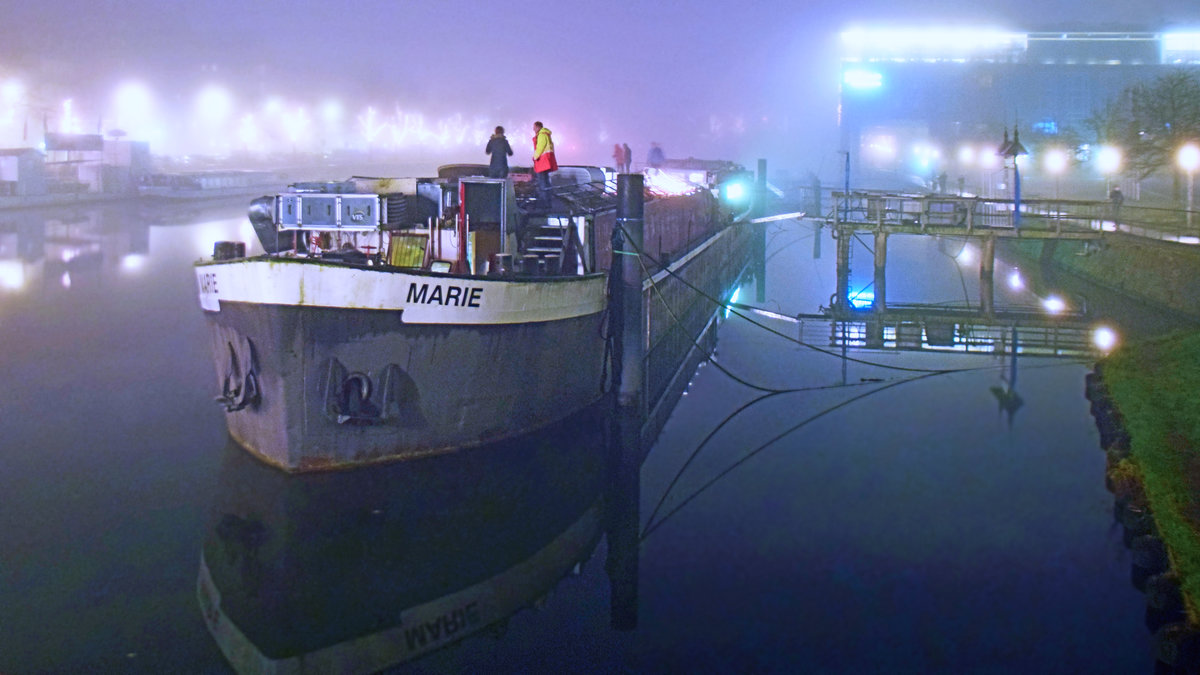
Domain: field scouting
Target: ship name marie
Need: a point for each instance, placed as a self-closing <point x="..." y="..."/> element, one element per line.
<point x="448" y="295"/>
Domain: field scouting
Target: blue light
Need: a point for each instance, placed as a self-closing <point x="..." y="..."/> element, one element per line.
<point x="735" y="192"/>
<point x="863" y="299"/>
<point x="862" y="79"/>
<point x="732" y="300"/>
<point x="1047" y="126"/>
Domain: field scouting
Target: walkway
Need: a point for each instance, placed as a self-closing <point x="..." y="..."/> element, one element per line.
<point x="1039" y="218"/>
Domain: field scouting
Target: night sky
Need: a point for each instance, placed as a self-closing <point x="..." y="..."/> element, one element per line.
<point x="712" y="79"/>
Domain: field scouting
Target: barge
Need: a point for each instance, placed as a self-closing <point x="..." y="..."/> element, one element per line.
<point x="396" y="318"/>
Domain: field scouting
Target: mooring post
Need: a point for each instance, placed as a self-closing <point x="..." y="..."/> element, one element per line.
<point x="844" y="236"/>
<point x="760" y="235"/>
<point x="880" y="302"/>
<point x="846" y="186"/>
<point x="987" y="266"/>
<point x="622" y="517"/>
<point x="630" y="223"/>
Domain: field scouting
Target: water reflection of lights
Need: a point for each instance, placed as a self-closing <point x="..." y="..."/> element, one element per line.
<point x="12" y="275"/>
<point x="1104" y="338"/>
<point x="966" y="256"/>
<point x="1015" y="281"/>
<point x="1054" y="304"/>
<point x="65" y="280"/>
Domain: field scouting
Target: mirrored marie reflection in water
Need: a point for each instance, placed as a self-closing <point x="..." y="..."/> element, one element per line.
<point x="358" y="570"/>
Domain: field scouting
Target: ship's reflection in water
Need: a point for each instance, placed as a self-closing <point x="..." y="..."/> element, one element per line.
<point x="354" y="571"/>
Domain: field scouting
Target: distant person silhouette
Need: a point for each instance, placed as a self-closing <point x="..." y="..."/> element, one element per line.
<point x="655" y="157"/>
<point x="500" y="150"/>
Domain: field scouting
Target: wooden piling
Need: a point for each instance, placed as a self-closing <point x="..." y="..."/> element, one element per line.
<point x="987" y="267"/>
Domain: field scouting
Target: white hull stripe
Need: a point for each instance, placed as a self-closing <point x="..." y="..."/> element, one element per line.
<point x="424" y="299"/>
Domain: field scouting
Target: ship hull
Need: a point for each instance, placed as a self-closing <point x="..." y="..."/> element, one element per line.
<point x="309" y="387"/>
<point x="357" y="570"/>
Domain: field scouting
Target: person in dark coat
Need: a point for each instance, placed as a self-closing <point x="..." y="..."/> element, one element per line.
<point x="500" y="150"/>
<point x="655" y="157"/>
<point x="628" y="157"/>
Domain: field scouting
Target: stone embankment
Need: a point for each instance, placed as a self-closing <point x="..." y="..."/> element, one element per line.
<point x="1160" y="567"/>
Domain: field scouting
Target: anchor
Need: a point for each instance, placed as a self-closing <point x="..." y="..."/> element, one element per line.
<point x="354" y="404"/>
<point x="352" y="398"/>
<point x="239" y="391"/>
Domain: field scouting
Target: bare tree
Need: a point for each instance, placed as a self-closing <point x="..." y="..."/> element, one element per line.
<point x="1150" y="122"/>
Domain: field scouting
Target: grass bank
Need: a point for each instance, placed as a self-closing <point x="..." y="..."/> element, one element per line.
<point x="1156" y="387"/>
<point x="1157" y="274"/>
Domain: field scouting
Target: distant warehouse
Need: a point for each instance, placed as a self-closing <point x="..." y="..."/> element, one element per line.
<point x="927" y="103"/>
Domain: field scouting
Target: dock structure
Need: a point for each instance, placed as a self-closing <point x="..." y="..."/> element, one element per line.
<point x="883" y="325"/>
<point x="928" y="327"/>
<point x="958" y="215"/>
<point x="885" y="214"/>
<point x="936" y="328"/>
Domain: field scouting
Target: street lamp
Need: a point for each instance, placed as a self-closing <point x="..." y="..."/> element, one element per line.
<point x="1189" y="160"/>
<point x="1108" y="161"/>
<point x="987" y="163"/>
<point x="133" y="110"/>
<point x="1012" y="150"/>
<point x="1056" y="162"/>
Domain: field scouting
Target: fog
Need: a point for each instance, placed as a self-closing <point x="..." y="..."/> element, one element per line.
<point x="429" y="80"/>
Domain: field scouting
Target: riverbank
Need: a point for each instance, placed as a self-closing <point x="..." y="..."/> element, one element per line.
<point x="1153" y="385"/>
<point x="1143" y="399"/>
<point x="1159" y="275"/>
<point x="1149" y="419"/>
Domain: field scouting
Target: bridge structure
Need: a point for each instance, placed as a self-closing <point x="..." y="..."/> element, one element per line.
<point x="985" y="327"/>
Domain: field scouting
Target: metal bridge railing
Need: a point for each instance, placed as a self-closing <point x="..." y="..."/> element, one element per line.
<point x="897" y="210"/>
<point x="1071" y="340"/>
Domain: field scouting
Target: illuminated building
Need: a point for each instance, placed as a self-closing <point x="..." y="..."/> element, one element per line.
<point x="923" y="101"/>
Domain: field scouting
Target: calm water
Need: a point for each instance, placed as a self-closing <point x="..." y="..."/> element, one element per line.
<point x="914" y="530"/>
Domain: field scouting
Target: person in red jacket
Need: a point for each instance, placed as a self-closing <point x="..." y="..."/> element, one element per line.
<point x="543" y="162"/>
